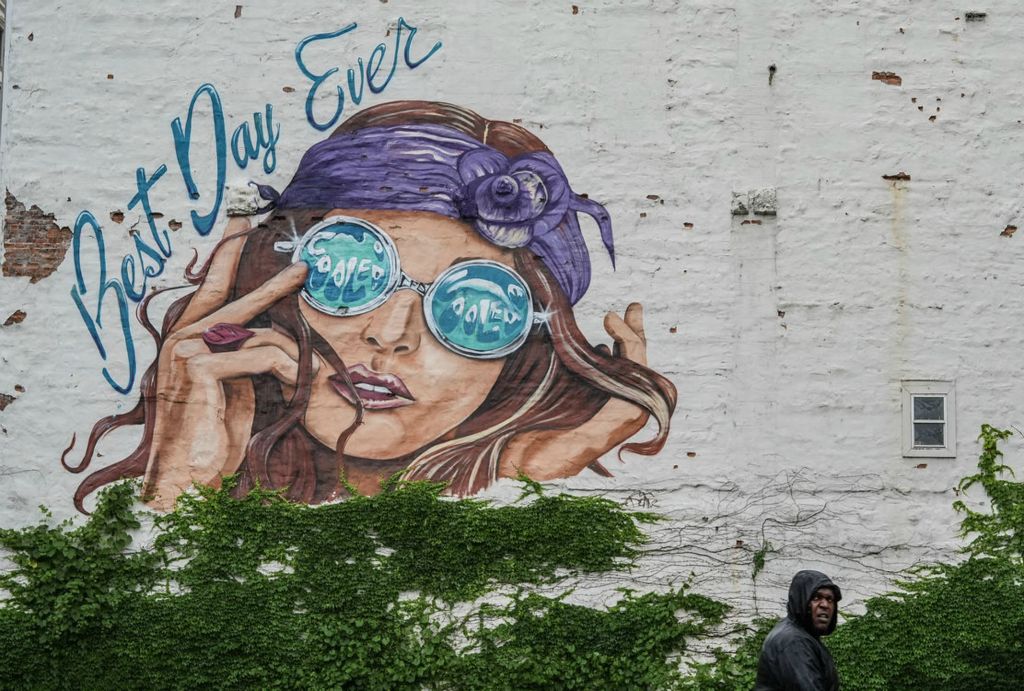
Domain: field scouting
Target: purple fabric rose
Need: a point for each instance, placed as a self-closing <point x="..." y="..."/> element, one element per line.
<point x="512" y="202"/>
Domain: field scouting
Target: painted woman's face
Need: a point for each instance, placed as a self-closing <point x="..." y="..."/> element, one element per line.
<point x="414" y="390"/>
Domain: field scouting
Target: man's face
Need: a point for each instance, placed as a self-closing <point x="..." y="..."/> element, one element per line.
<point x="823" y="605"/>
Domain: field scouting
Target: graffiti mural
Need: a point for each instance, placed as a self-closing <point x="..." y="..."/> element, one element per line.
<point x="404" y="304"/>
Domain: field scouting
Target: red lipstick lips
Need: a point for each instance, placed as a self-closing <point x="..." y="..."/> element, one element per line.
<point x="376" y="391"/>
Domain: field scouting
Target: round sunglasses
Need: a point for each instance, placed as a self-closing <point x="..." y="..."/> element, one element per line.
<point x="479" y="308"/>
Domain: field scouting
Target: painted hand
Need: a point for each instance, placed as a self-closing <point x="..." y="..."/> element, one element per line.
<point x="205" y="401"/>
<point x="546" y="455"/>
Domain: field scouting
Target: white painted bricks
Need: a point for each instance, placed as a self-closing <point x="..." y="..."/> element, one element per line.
<point x="786" y="328"/>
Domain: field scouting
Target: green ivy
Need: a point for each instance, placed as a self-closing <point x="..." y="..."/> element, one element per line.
<point x="734" y="669"/>
<point x="955" y="626"/>
<point x="383" y="592"/>
<point x="411" y="590"/>
<point x="759" y="558"/>
<point x="1001" y="531"/>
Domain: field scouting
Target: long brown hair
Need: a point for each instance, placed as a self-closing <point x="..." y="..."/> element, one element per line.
<point x="555" y="381"/>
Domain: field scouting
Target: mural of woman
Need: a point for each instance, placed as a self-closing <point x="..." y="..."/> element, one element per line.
<point x="406" y="305"/>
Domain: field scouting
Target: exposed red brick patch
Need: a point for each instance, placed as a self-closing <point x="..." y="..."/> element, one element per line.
<point x="888" y="78"/>
<point x="5" y="400"/>
<point x="897" y="176"/>
<point x="1008" y="231"/>
<point x="34" y="245"/>
<point x="16" y="318"/>
<point x="921" y="466"/>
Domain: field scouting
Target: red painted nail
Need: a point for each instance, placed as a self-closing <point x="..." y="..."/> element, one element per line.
<point x="224" y="338"/>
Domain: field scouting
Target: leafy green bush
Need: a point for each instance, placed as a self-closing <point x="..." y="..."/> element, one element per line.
<point x="372" y="593"/>
<point x="731" y="669"/>
<point x="955" y="626"/>
<point x="264" y="593"/>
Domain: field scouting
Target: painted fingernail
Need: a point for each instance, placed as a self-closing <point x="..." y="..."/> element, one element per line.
<point x="224" y="338"/>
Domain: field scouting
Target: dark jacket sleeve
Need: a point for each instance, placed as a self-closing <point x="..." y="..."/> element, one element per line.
<point x="799" y="666"/>
<point x="793" y="660"/>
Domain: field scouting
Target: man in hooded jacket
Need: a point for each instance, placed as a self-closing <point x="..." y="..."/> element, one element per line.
<point x="793" y="657"/>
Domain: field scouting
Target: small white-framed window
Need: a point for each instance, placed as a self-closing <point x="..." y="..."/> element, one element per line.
<point x="929" y="418"/>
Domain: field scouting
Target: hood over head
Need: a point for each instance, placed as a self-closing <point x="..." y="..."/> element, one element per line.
<point x="798" y="608"/>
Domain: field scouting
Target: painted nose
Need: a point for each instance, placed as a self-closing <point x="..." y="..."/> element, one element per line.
<point x="396" y="326"/>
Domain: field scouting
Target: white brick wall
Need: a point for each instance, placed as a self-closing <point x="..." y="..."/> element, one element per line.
<point x="787" y="340"/>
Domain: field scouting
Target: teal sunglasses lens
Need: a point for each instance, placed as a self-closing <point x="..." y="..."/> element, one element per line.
<point x="480" y="309"/>
<point x="353" y="267"/>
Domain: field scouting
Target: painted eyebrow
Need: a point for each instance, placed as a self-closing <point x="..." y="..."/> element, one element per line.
<point x="459" y="260"/>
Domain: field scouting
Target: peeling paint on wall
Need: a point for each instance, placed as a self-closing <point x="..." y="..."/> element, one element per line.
<point x="34" y="244"/>
<point x="890" y="78"/>
<point x="16" y="317"/>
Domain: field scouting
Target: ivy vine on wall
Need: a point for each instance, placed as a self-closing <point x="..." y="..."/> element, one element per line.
<point x="265" y="593"/>
<point x="408" y="589"/>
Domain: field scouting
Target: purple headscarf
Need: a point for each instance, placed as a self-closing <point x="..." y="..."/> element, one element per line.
<point x="524" y="201"/>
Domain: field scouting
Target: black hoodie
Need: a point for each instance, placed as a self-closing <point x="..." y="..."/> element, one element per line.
<point x="792" y="657"/>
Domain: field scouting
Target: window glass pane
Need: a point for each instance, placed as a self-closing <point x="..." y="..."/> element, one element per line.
<point x="929" y="407"/>
<point x="929" y="434"/>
